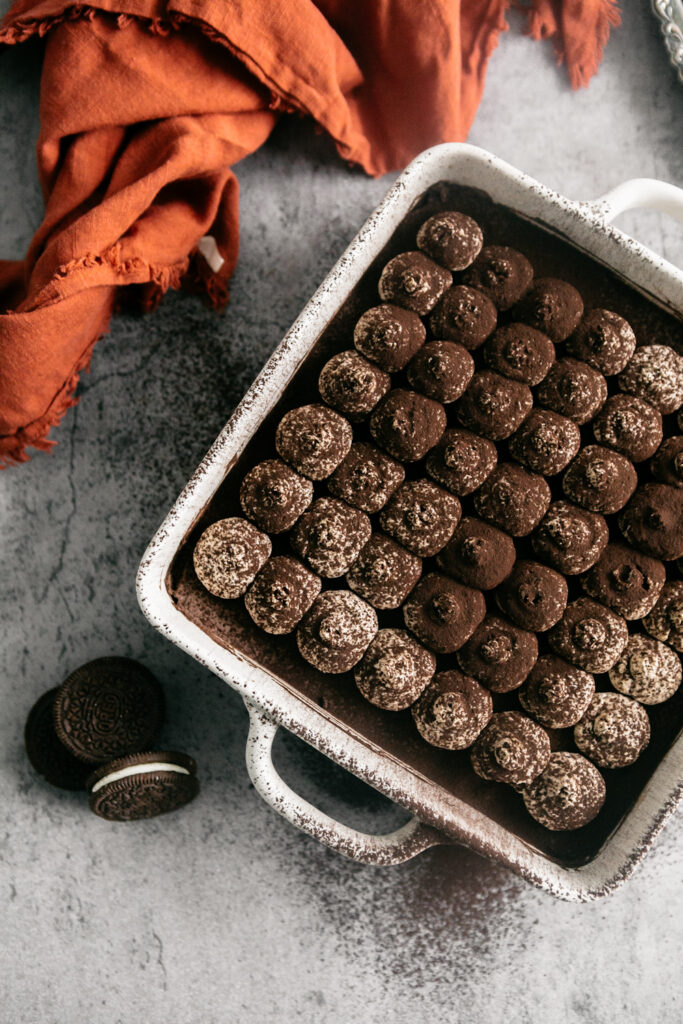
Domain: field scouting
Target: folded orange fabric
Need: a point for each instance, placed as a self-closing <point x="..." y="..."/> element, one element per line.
<point x="147" y="104"/>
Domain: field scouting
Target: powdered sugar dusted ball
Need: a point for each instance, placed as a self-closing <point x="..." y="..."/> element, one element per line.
<point x="513" y="499"/>
<point x="511" y="749"/>
<point x="520" y="352"/>
<point x="366" y="478"/>
<point x="599" y="479"/>
<point x="647" y="670"/>
<point x="441" y="370"/>
<point x="665" y="621"/>
<point x="465" y="315"/>
<point x="413" y="281"/>
<point x="499" y="654"/>
<point x="273" y="495"/>
<point x="533" y="596"/>
<point x="384" y="573"/>
<point x="352" y="385"/>
<point x="228" y="555"/>
<point x="567" y="794"/>
<point x="421" y="517"/>
<point x="655" y="373"/>
<point x="494" y="406"/>
<point x="330" y="535"/>
<point x="452" y="711"/>
<point x="389" y="336"/>
<point x="552" y="306"/>
<point x="407" y="424"/>
<point x="335" y="632"/>
<point x="574" y="389"/>
<point x="313" y="439"/>
<point x="556" y="693"/>
<point x="461" y="461"/>
<point x="451" y="238"/>
<point x="614" y="730"/>
<point x="653" y="521"/>
<point x="501" y="273"/>
<point x="546" y="442"/>
<point x="630" y="426"/>
<point x="477" y="554"/>
<point x="627" y="581"/>
<point x="604" y="340"/>
<point x="569" y="538"/>
<point x="443" y="614"/>
<point x="667" y="465"/>
<point x="281" y="594"/>
<point x="589" y="635"/>
<point x="394" y="670"/>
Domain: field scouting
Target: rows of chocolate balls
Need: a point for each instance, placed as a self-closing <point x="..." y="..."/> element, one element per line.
<point x="445" y="611"/>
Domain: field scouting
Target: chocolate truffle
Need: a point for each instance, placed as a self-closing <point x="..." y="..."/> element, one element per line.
<point x="653" y="521"/>
<point x="352" y="385"/>
<point x="499" y="654"/>
<point x="501" y="273"/>
<point x="441" y="370"/>
<point x="389" y="336"/>
<point x="366" y="478"/>
<point x="413" y="281"/>
<point x="384" y="573"/>
<point x="630" y="426"/>
<point x="281" y="594"/>
<point x="336" y="630"/>
<point x="228" y="555"/>
<point x="421" y="517"/>
<point x="533" y="596"/>
<point x="665" y="621"/>
<point x="556" y="693"/>
<point x="614" y="730"/>
<point x="511" y="749"/>
<point x="552" y="306"/>
<point x="599" y="479"/>
<point x="519" y="352"/>
<point x="452" y="711"/>
<point x="394" y="670"/>
<point x="493" y="405"/>
<point x="574" y="389"/>
<point x="569" y="538"/>
<point x="330" y="535"/>
<point x="647" y="670"/>
<point x="567" y="794"/>
<point x="589" y="635"/>
<point x="442" y="613"/>
<point x="452" y="239"/>
<point x="274" y="496"/>
<point x="461" y="461"/>
<point x="604" y="340"/>
<point x="313" y="439"/>
<point x="626" y="581"/>
<point x="513" y="499"/>
<point x="655" y="373"/>
<point x="464" y="315"/>
<point x="546" y="442"/>
<point x="667" y="465"/>
<point x="477" y="554"/>
<point x="407" y="425"/>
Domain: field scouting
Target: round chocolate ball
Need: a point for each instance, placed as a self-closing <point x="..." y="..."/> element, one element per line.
<point x="574" y="389"/>
<point x="313" y="440"/>
<point x="653" y="521"/>
<point x="589" y="635"/>
<point x="569" y="538"/>
<point x="452" y="239"/>
<point x="630" y="426"/>
<point x="421" y="517"/>
<point x="519" y="352"/>
<point x="330" y="535"/>
<point x="599" y="479"/>
<point x="477" y="554"/>
<point x="647" y="670"/>
<point x="389" y="336"/>
<point x="567" y="794"/>
<point x="655" y="373"/>
<point x="513" y="499"/>
<point x="556" y="693"/>
<point x="667" y="465"/>
<point x="384" y="573"/>
<point x="273" y="496"/>
<point x="407" y="425"/>
<point x="228" y="555"/>
<point x="366" y="478"/>
<point x="335" y="632"/>
<point x="394" y="670"/>
<point x="494" y="406"/>
<point x="604" y="340"/>
<point x="614" y="730"/>
<point x="665" y="621"/>
<point x="465" y="315"/>
<point x="413" y="281"/>
<point x="281" y="594"/>
<point x="511" y="749"/>
<point x="352" y="385"/>
<point x="552" y="306"/>
<point x="501" y="273"/>
<point x="461" y="461"/>
<point x="546" y="442"/>
<point x="499" y="654"/>
<point x="441" y="370"/>
<point x="533" y="596"/>
<point x="627" y="581"/>
<point x="452" y="711"/>
<point x="442" y="613"/>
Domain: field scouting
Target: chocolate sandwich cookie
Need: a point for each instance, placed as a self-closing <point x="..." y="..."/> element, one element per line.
<point x="665" y="621"/>
<point x="499" y="654"/>
<point x="281" y="594"/>
<point x="228" y="555"/>
<point x="452" y="711"/>
<point x="552" y="306"/>
<point x="627" y="581"/>
<point x="421" y="517"/>
<point x="573" y="389"/>
<point x="406" y="424"/>
<point x="389" y="336"/>
<point x="477" y="554"/>
<point x="384" y="573"/>
<point x="494" y="406"/>
<point x="556" y="693"/>
<point x="546" y="442"/>
<point x="599" y="479"/>
<point x="667" y="465"/>
<point x="394" y="670"/>
<point x="655" y="373"/>
<point x="336" y="631"/>
<point x="569" y="538"/>
<point x="511" y="749"/>
<point x="629" y="425"/>
<point x="313" y="440"/>
<point x="461" y="461"/>
<point x="443" y="614"/>
<point x="465" y="315"/>
<point x="366" y="478"/>
<point x="46" y="752"/>
<point x="501" y="273"/>
<point x="653" y="521"/>
<point x="604" y="340"/>
<point x="519" y="352"/>
<point x="107" y="708"/>
<point x="329" y="536"/>
<point x="533" y="596"/>
<point x="513" y="499"/>
<point x="647" y="670"/>
<point x="413" y="281"/>
<point x="614" y="731"/>
<point x="441" y="370"/>
<point x="143" y="785"/>
<point x="273" y="495"/>
<point x="451" y="238"/>
<point x="568" y="793"/>
<point x="352" y="385"/>
<point x="589" y="635"/>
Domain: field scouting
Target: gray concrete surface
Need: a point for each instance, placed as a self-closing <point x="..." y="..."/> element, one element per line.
<point x="223" y="913"/>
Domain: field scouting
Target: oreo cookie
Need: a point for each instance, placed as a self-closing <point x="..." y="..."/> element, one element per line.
<point x="47" y="754"/>
<point x="143" y="785"/>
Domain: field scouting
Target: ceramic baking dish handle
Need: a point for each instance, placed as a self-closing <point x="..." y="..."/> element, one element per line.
<point x="640" y="193"/>
<point x="393" y="848"/>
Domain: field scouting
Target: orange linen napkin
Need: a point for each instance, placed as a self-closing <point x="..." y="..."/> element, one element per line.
<point x="147" y="104"/>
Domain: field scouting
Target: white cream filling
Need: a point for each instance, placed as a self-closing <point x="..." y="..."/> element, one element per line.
<point x="138" y="769"/>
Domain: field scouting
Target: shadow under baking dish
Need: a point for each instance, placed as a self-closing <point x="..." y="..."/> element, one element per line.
<point x="337" y="696"/>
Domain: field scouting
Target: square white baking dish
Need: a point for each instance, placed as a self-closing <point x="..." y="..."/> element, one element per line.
<point x="442" y="817"/>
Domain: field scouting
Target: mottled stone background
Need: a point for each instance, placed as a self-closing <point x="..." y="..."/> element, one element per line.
<point x="223" y="913"/>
